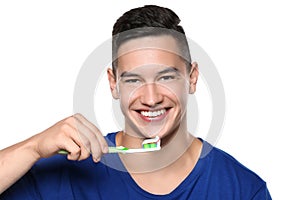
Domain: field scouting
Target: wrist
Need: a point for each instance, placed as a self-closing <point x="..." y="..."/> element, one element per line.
<point x="29" y="147"/>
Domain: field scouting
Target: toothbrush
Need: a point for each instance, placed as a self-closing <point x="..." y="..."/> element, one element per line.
<point x="148" y="145"/>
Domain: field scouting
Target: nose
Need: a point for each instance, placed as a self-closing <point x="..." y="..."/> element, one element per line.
<point x="151" y="95"/>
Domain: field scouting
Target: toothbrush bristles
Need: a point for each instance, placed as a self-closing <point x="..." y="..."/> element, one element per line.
<point x="151" y="143"/>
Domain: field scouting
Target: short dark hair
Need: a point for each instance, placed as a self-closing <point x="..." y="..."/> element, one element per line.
<point x="150" y="20"/>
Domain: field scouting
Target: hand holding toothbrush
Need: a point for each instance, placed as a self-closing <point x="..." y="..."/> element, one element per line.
<point x="75" y="135"/>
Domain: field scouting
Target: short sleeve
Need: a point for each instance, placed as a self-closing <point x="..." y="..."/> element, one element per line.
<point x="262" y="194"/>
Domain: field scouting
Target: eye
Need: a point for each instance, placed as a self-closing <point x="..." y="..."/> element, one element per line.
<point x="167" y="78"/>
<point x="133" y="80"/>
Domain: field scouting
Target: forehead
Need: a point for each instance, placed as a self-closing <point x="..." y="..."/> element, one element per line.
<point x="160" y="50"/>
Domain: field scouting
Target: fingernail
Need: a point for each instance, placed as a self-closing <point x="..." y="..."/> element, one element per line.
<point x="96" y="160"/>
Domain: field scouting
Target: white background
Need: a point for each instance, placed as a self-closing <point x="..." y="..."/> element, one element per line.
<point x="254" y="45"/>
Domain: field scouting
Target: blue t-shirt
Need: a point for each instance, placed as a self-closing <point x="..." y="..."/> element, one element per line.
<point x="216" y="175"/>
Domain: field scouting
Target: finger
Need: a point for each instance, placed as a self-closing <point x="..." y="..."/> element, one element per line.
<point x="74" y="151"/>
<point x="75" y="133"/>
<point x="90" y="140"/>
<point x="95" y="130"/>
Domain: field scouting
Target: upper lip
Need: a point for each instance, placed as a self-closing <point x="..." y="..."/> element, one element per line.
<point x="152" y="109"/>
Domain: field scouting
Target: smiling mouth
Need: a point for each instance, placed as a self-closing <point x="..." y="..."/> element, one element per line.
<point x="153" y="114"/>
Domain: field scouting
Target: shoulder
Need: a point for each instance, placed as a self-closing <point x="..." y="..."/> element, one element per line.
<point x="222" y="159"/>
<point x="229" y="173"/>
<point x="111" y="138"/>
<point x="229" y="166"/>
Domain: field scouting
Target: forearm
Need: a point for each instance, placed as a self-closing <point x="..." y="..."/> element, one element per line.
<point x="15" y="161"/>
<point x="66" y="134"/>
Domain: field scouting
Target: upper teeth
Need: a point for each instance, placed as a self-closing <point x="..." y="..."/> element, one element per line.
<point x="153" y="113"/>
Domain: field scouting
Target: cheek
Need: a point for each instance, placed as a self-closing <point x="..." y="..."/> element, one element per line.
<point x="124" y="101"/>
<point x="123" y="106"/>
<point x="181" y="98"/>
<point x="177" y="92"/>
<point x="127" y="98"/>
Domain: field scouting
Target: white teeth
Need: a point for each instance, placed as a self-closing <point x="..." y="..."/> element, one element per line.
<point x="153" y="113"/>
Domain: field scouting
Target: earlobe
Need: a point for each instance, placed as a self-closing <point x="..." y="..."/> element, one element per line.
<point x="112" y="83"/>
<point x="194" y="73"/>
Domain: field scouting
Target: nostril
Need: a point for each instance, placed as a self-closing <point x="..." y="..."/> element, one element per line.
<point x="151" y="96"/>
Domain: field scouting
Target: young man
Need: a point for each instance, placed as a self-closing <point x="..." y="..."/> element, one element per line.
<point x="152" y="76"/>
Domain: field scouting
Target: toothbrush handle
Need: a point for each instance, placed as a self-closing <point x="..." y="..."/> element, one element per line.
<point x="110" y="150"/>
<point x="115" y="150"/>
<point x="63" y="152"/>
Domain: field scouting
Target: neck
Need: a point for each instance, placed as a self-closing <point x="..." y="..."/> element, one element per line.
<point x="174" y="145"/>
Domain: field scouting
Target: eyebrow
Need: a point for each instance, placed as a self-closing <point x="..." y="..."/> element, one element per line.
<point x="167" y="70"/>
<point x="128" y="74"/>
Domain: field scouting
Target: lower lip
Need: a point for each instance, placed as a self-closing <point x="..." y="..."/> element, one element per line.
<point x="151" y="119"/>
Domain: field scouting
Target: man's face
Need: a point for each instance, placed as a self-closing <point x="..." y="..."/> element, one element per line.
<point x="152" y="83"/>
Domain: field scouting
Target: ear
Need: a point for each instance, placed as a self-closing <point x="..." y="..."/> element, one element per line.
<point x="194" y="73"/>
<point x="112" y="83"/>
